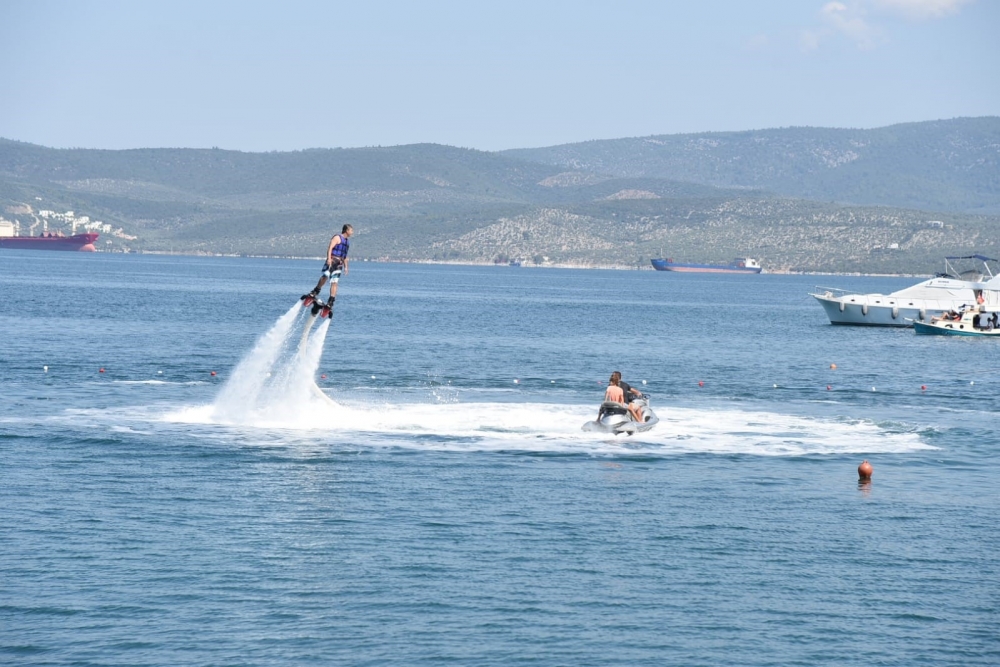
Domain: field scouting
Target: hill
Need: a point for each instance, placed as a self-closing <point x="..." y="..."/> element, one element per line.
<point x="948" y="165"/>
<point x="431" y="202"/>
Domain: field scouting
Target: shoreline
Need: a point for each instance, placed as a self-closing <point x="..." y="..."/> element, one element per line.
<point x="560" y="265"/>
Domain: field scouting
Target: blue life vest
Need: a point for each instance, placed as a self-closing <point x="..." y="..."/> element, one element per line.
<point x="340" y="250"/>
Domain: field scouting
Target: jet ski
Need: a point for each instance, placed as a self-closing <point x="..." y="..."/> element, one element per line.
<point x="613" y="417"/>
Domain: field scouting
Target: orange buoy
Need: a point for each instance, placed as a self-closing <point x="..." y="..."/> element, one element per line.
<point x="923" y="387"/>
<point x="101" y="371"/>
<point x="213" y="373"/>
<point x="828" y="387"/>
<point x="701" y="383"/>
<point x="865" y="471"/>
<point x="322" y="377"/>
<point x="833" y="367"/>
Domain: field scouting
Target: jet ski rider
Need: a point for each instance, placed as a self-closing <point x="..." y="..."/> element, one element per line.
<point x="336" y="263"/>
<point x="629" y="394"/>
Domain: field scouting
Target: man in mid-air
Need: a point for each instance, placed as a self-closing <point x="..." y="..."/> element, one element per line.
<point x="333" y="268"/>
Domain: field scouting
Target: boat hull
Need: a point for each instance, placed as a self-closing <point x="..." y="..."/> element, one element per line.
<point x="76" y="243"/>
<point x="875" y="315"/>
<point x="952" y="290"/>
<point x="664" y="265"/>
<point x="951" y="329"/>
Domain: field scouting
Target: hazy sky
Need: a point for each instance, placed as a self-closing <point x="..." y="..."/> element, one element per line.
<point x="259" y="76"/>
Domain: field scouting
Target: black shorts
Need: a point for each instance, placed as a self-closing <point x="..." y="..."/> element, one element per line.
<point x="333" y="271"/>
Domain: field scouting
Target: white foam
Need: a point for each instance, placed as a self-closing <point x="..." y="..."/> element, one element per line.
<point x="557" y="429"/>
<point x="535" y="426"/>
<point x="272" y="393"/>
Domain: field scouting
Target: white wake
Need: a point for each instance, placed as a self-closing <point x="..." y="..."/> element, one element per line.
<point x="272" y="396"/>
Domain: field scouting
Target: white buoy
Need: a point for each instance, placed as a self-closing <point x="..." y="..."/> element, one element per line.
<point x="972" y="382"/>
<point x="373" y="377"/>
<point x="775" y="386"/>
<point x="644" y="382"/>
<point x="552" y="381"/>
<point x="45" y="368"/>
<point x="873" y="388"/>
<point x="516" y="380"/>
<point x="159" y="372"/>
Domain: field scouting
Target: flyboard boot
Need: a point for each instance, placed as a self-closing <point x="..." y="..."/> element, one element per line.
<point x="326" y="310"/>
<point x="308" y="299"/>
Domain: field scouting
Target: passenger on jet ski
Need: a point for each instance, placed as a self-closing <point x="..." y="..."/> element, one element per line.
<point x="614" y="392"/>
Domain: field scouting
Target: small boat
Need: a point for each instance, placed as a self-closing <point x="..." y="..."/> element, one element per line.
<point x="738" y="265"/>
<point x="951" y="290"/>
<point x="977" y="321"/>
<point x="613" y="417"/>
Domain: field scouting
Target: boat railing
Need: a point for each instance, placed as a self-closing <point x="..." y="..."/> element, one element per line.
<point x="832" y="291"/>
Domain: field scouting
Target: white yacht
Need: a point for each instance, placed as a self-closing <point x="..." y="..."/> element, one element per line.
<point x="950" y="290"/>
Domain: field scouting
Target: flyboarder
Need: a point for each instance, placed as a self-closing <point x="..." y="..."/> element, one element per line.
<point x="333" y="268"/>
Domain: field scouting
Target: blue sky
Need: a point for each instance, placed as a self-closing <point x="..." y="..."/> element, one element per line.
<point x="259" y="76"/>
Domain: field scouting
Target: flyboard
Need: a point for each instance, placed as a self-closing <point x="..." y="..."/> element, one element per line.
<point x="320" y="310"/>
<point x="318" y="307"/>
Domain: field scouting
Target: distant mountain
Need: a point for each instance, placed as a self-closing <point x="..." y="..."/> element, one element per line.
<point x="222" y="173"/>
<point x="406" y="198"/>
<point x="947" y="165"/>
<point x="431" y="202"/>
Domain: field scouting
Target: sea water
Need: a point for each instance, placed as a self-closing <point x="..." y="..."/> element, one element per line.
<point x="409" y="482"/>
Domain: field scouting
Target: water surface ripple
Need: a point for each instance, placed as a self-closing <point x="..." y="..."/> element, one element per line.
<point x="428" y="509"/>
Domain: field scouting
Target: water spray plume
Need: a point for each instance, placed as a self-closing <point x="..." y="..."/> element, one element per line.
<point x="274" y="383"/>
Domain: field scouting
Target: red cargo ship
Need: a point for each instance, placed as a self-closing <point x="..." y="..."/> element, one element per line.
<point x="51" y="241"/>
